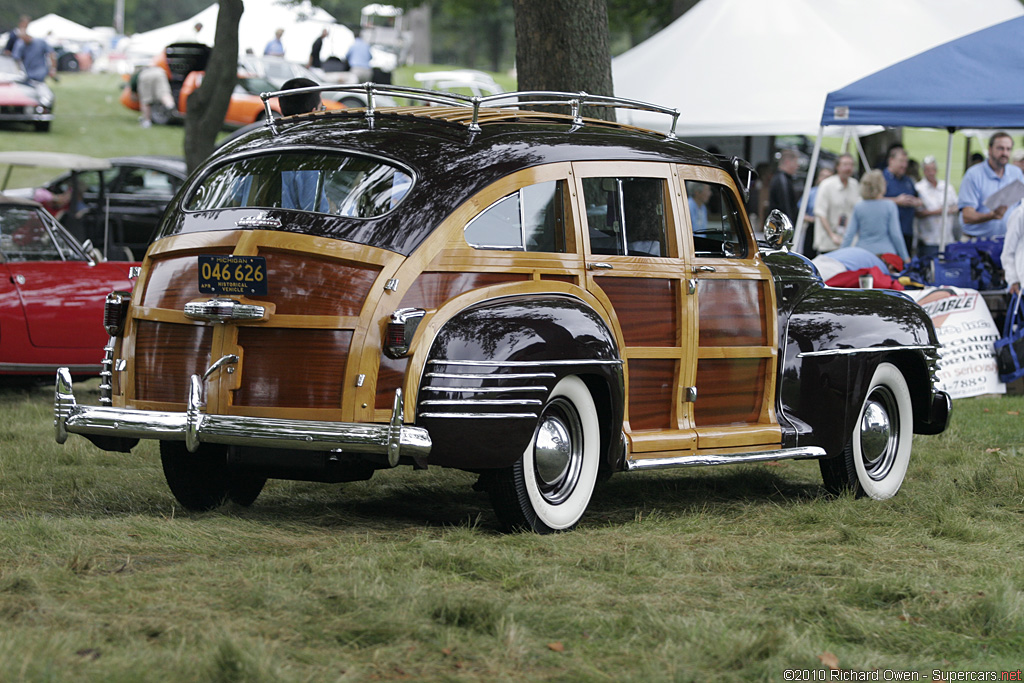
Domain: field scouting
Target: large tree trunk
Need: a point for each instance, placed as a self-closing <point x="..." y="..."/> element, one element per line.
<point x="563" y="45"/>
<point x="207" y="106"/>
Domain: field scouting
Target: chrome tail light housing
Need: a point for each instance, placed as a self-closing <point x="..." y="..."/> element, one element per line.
<point x="400" y="330"/>
<point x="115" y="312"/>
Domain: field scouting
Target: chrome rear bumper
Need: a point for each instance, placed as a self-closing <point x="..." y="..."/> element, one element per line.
<point x="194" y="427"/>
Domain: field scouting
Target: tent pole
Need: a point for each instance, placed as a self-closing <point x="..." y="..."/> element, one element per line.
<point x="945" y="190"/>
<point x="812" y="169"/>
<point x="863" y="161"/>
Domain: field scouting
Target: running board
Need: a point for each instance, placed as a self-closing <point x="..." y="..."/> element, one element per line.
<point x="702" y="460"/>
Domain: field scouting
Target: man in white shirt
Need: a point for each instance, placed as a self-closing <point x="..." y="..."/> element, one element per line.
<point x="932" y="191"/>
<point x="1013" y="249"/>
<point x="837" y="195"/>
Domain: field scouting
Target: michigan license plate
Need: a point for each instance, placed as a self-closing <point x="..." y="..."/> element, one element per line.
<point x="240" y="275"/>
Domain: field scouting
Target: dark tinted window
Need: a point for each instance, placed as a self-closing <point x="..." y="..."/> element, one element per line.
<point x="626" y="216"/>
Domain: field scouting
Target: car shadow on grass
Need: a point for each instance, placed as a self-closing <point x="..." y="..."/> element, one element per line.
<point x="451" y="501"/>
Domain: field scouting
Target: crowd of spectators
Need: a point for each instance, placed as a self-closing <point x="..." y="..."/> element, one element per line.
<point x="898" y="208"/>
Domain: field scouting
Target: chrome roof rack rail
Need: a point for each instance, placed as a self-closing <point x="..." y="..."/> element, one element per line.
<point x="509" y="100"/>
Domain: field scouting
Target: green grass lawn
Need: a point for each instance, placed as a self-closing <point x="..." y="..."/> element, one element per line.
<point x="691" y="575"/>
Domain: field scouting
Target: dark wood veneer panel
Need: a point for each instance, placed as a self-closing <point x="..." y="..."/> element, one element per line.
<point x="652" y="391"/>
<point x="647" y="309"/>
<point x="166" y="356"/>
<point x="732" y="313"/>
<point x="729" y="390"/>
<point x="292" y="368"/>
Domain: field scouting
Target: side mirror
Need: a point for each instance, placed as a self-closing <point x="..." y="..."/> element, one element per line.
<point x="778" y="230"/>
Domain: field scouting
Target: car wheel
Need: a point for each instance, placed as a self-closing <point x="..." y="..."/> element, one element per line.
<point x="874" y="461"/>
<point x="202" y="481"/>
<point x="160" y="114"/>
<point x="550" y="486"/>
<point x="42" y="126"/>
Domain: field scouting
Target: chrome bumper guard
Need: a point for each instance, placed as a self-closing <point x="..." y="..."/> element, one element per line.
<point x="195" y="427"/>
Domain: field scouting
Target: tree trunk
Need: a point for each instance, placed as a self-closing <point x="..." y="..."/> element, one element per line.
<point x="563" y="45"/>
<point x="207" y="106"/>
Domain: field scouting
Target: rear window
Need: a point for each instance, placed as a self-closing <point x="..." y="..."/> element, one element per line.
<point x="333" y="184"/>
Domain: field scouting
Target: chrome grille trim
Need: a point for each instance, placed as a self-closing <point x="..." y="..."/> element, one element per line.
<point x="486" y="390"/>
<point x="503" y="416"/>
<point x="491" y="375"/>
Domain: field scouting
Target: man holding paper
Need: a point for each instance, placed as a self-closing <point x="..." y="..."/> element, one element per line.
<point x="990" y="189"/>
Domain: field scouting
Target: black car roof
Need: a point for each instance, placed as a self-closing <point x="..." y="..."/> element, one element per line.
<point x="450" y="162"/>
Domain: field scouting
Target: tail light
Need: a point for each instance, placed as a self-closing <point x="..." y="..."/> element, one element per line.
<point x="115" y="311"/>
<point x="400" y="331"/>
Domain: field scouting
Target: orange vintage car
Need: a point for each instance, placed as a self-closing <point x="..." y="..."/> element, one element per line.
<point x="184" y="64"/>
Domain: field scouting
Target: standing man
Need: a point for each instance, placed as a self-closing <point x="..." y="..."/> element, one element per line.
<point x="899" y="188"/>
<point x="318" y="45"/>
<point x="358" y="58"/>
<point x="15" y="34"/>
<point x="836" y="198"/>
<point x="980" y="181"/>
<point x="932" y="191"/>
<point x="1013" y="249"/>
<point x="36" y="55"/>
<point x="275" y="48"/>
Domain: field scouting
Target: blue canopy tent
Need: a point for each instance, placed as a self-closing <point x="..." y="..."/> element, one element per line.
<point x="976" y="81"/>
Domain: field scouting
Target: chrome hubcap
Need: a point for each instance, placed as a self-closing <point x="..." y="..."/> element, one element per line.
<point x="558" y="451"/>
<point x="878" y="439"/>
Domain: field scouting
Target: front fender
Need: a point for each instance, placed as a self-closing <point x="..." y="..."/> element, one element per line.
<point x="491" y="367"/>
<point x="834" y="340"/>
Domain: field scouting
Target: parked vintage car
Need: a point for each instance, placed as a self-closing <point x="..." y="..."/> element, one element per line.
<point x="536" y="297"/>
<point x="51" y="294"/>
<point x="278" y="71"/>
<point x="127" y="199"/>
<point x="23" y="100"/>
<point x="184" y="64"/>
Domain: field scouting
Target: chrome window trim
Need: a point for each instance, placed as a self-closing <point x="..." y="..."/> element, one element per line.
<point x="868" y="349"/>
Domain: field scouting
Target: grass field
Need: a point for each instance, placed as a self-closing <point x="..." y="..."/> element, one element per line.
<point x="708" y="574"/>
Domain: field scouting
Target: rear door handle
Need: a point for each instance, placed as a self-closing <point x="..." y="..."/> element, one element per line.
<point x="599" y="266"/>
<point x="703" y="269"/>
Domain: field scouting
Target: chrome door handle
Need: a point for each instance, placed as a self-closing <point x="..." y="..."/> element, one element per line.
<point x="703" y="269"/>
<point x="599" y="266"/>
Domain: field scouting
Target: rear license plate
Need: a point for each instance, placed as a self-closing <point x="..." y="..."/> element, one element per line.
<point x="240" y="275"/>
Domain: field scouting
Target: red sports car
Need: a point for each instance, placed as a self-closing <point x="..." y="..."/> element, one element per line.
<point x="52" y="292"/>
<point x="22" y="100"/>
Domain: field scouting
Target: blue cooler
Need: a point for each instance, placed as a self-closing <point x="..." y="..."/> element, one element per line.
<point x="954" y="271"/>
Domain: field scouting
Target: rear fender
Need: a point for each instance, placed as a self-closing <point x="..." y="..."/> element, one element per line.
<point x="513" y="350"/>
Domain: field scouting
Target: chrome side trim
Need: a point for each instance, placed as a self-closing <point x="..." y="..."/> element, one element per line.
<point x="702" y="460"/>
<point x="475" y="416"/>
<point x="195" y="427"/>
<point x="485" y="390"/>
<point x="524" y="363"/>
<point x="483" y="402"/>
<point x="522" y="375"/>
<point x="868" y="349"/>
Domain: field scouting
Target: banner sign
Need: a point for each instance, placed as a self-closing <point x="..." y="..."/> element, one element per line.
<point x="966" y="331"/>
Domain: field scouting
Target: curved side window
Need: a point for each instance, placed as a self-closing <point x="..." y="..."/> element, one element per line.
<point x="716" y="223"/>
<point x="530" y="219"/>
<point x="337" y="184"/>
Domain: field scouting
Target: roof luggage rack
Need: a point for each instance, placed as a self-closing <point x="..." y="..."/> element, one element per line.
<point x="505" y="101"/>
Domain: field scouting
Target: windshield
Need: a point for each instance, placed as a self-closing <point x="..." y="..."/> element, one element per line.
<point x="335" y="184"/>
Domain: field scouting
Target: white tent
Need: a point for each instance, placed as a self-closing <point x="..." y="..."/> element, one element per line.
<point x="763" y="67"/>
<point x="57" y="28"/>
<point x="302" y="24"/>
